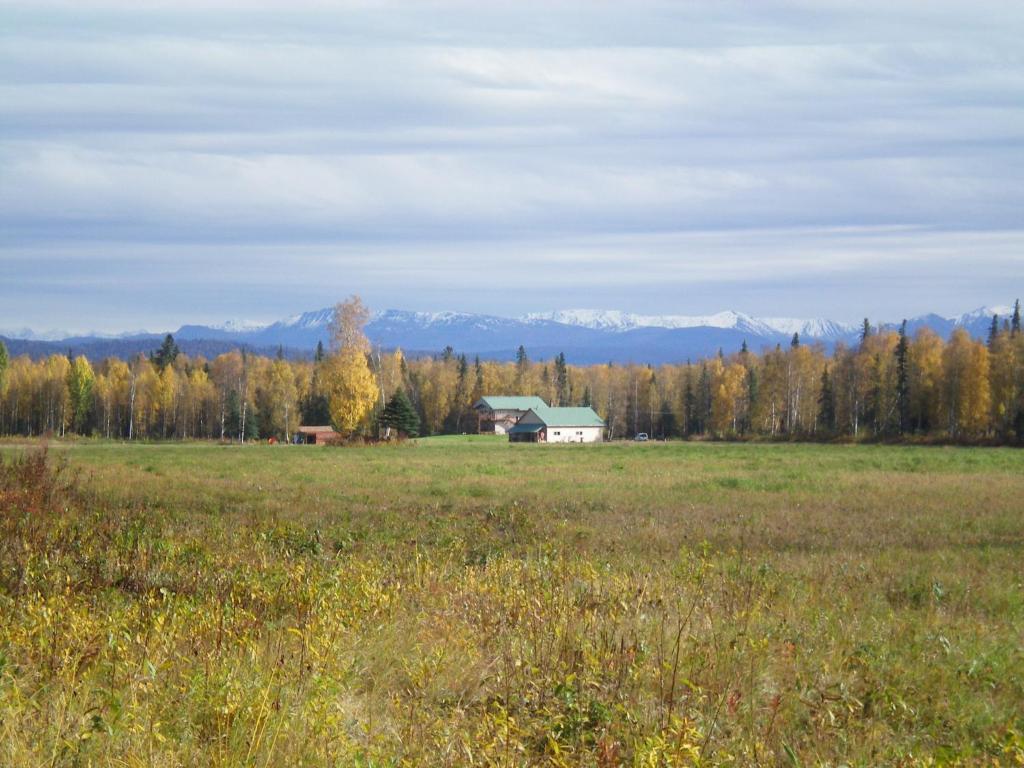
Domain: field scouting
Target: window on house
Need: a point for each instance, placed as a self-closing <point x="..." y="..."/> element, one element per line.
<point x="557" y="433"/>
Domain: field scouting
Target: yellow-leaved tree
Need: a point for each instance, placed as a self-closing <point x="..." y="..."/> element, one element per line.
<point x="967" y="396"/>
<point x="347" y="379"/>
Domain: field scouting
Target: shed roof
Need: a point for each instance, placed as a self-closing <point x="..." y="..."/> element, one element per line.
<point x="314" y="430"/>
<point x="510" y="403"/>
<point x="523" y="429"/>
<point x="568" y="417"/>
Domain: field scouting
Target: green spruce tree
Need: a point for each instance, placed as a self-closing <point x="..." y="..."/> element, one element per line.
<point x="690" y="422"/>
<point x="753" y="394"/>
<point x="4" y="362"/>
<point x="903" y="380"/>
<point x="478" y="382"/>
<point x="400" y="416"/>
<point x="668" y="419"/>
<point x="232" y="414"/>
<point x="827" y="403"/>
<point x="166" y="354"/>
<point x="562" y="379"/>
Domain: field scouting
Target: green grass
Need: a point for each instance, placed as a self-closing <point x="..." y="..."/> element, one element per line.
<point x="461" y="600"/>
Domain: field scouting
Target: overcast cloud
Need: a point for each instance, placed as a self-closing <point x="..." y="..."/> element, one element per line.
<point x="170" y="162"/>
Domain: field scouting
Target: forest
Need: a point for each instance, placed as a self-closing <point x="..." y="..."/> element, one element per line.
<point x="890" y="385"/>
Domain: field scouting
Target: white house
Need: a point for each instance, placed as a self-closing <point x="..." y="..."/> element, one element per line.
<point x="558" y="425"/>
<point x="498" y="413"/>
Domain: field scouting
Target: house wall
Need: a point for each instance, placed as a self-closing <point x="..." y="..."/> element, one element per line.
<point x="499" y="422"/>
<point x="575" y="434"/>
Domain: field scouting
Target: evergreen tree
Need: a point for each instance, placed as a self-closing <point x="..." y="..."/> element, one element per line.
<point x="232" y="414"/>
<point x="796" y="341"/>
<point x="522" y="366"/>
<point x="314" y="410"/>
<point x="993" y="331"/>
<point x="827" y="402"/>
<point x="873" y="414"/>
<point x="865" y="331"/>
<point x="903" y="380"/>
<point x="587" y="397"/>
<point x="690" y="424"/>
<point x="166" y="354"/>
<point x="1015" y="322"/>
<point x="4" y="362"/>
<point x="743" y="348"/>
<point x="521" y="359"/>
<point x="562" y="379"/>
<point x="280" y="352"/>
<point x="668" y="419"/>
<point x="319" y="355"/>
<point x="252" y="424"/>
<point x="703" y="399"/>
<point x="400" y="416"/>
<point x="478" y="383"/>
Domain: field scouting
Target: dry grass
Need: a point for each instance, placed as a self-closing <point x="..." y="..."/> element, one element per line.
<point x="469" y="602"/>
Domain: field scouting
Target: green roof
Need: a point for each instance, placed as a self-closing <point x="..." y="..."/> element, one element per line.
<point x="520" y="429"/>
<point x="568" y="417"/>
<point x="511" y="403"/>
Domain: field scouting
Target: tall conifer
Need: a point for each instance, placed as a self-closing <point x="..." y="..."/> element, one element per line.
<point x="903" y="380"/>
<point x="865" y="331"/>
<point x="400" y="415"/>
<point x="993" y="331"/>
<point x="827" y="402"/>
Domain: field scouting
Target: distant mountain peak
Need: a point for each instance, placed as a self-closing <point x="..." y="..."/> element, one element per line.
<point x="620" y="322"/>
<point x="986" y="312"/>
<point x="583" y="335"/>
<point x="241" y="326"/>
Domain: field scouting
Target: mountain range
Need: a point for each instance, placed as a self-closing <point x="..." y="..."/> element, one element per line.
<point x="585" y="336"/>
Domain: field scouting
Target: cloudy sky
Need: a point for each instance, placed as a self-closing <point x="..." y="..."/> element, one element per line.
<point x="169" y="162"/>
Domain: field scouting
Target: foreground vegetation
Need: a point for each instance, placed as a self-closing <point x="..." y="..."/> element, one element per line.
<point x="463" y="601"/>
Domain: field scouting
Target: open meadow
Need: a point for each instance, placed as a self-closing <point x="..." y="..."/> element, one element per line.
<point x="464" y="601"/>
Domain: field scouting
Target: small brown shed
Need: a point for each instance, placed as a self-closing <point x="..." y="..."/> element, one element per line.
<point x="317" y="435"/>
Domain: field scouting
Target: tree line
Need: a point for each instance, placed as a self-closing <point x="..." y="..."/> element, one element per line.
<point x="889" y="385"/>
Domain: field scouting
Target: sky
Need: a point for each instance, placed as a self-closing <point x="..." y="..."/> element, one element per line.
<point x="181" y="162"/>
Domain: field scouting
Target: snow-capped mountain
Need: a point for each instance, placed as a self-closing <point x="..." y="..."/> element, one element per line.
<point x="619" y="322"/>
<point x="584" y="335"/>
<point x="240" y="326"/>
<point x="614" y="320"/>
<point x="319" y="318"/>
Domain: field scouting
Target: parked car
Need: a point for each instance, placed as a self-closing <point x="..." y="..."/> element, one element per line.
<point x="641" y="437"/>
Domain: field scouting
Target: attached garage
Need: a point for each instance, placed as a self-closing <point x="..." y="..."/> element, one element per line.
<point x="558" y="425"/>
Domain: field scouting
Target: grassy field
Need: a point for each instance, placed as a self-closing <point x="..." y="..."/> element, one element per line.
<point x="463" y="601"/>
